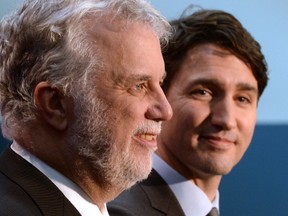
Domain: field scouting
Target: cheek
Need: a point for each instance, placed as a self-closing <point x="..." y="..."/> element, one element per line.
<point x="246" y="135"/>
<point x="246" y="127"/>
<point x="179" y="128"/>
<point x="190" y="116"/>
<point x="126" y="119"/>
<point x="240" y="151"/>
<point x="125" y="111"/>
<point x="131" y="108"/>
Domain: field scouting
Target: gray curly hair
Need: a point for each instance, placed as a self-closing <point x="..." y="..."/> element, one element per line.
<point x="45" y="40"/>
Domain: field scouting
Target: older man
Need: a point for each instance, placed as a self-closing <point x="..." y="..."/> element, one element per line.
<point x="82" y="102"/>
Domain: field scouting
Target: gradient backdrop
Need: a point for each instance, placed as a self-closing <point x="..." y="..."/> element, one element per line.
<point x="258" y="184"/>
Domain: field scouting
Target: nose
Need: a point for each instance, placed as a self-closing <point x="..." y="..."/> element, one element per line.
<point x="159" y="109"/>
<point x="223" y="114"/>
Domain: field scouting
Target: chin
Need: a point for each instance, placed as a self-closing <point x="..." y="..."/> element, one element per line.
<point x="219" y="169"/>
<point x="138" y="169"/>
<point x="223" y="171"/>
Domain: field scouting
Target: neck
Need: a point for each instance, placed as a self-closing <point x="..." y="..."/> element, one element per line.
<point x="208" y="185"/>
<point x="207" y="182"/>
<point x="99" y="194"/>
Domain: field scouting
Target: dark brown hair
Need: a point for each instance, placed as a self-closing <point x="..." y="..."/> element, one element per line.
<point x="219" y="28"/>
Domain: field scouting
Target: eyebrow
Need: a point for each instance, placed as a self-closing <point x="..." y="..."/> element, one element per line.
<point x="247" y="87"/>
<point x="139" y="77"/>
<point x="211" y="82"/>
<point x="122" y="80"/>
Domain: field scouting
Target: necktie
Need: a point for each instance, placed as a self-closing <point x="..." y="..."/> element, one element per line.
<point x="213" y="212"/>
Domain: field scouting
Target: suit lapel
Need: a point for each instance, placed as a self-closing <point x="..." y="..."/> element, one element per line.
<point x="161" y="196"/>
<point x="42" y="191"/>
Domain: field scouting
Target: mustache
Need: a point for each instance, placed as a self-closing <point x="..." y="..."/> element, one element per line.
<point x="148" y="127"/>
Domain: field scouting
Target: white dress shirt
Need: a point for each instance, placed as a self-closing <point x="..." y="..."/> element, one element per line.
<point x="192" y="199"/>
<point x="71" y="191"/>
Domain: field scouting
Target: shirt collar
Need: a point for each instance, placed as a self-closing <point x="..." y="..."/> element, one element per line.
<point x="71" y="191"/>
<point x="192" y="199"/>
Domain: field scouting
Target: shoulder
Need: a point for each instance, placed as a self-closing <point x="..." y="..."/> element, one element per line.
<point x="129" y="202"/>
<point x="14" y="200"/>
<point x="142" y="199"/>
<point x="24" y="190"/>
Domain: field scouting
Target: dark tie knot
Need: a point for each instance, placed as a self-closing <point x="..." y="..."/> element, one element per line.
<point x="213" y="212"/>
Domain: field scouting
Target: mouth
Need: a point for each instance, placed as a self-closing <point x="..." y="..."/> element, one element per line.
<point x="147" y="140"/>
<point x="217" y="142"/>
<point x="148" y="137"/>
<point x="146" y="134"/>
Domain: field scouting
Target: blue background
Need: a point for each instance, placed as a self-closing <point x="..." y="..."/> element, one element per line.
<point x="258" y="184"/>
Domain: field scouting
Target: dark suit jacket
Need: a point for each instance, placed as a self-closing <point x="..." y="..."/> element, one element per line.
<point x="25" y="191"/>
<point x="152" y="197"/>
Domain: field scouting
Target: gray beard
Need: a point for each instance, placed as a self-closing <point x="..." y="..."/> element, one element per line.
<point x="92" y="141"/>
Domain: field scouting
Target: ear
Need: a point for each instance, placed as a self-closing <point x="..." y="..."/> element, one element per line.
<point x="52" y="105"/>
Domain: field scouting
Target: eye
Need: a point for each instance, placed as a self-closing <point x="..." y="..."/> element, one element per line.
<point x="201" y="94"/>
<point x="246" y="99"/>
<point x="243" y="99"/>
<point x="139" y="88"/>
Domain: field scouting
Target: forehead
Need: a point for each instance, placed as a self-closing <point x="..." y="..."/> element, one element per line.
<point x="212" y="62"/>
<point x="127" y="48"/>
<point x="104" y="30"/>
